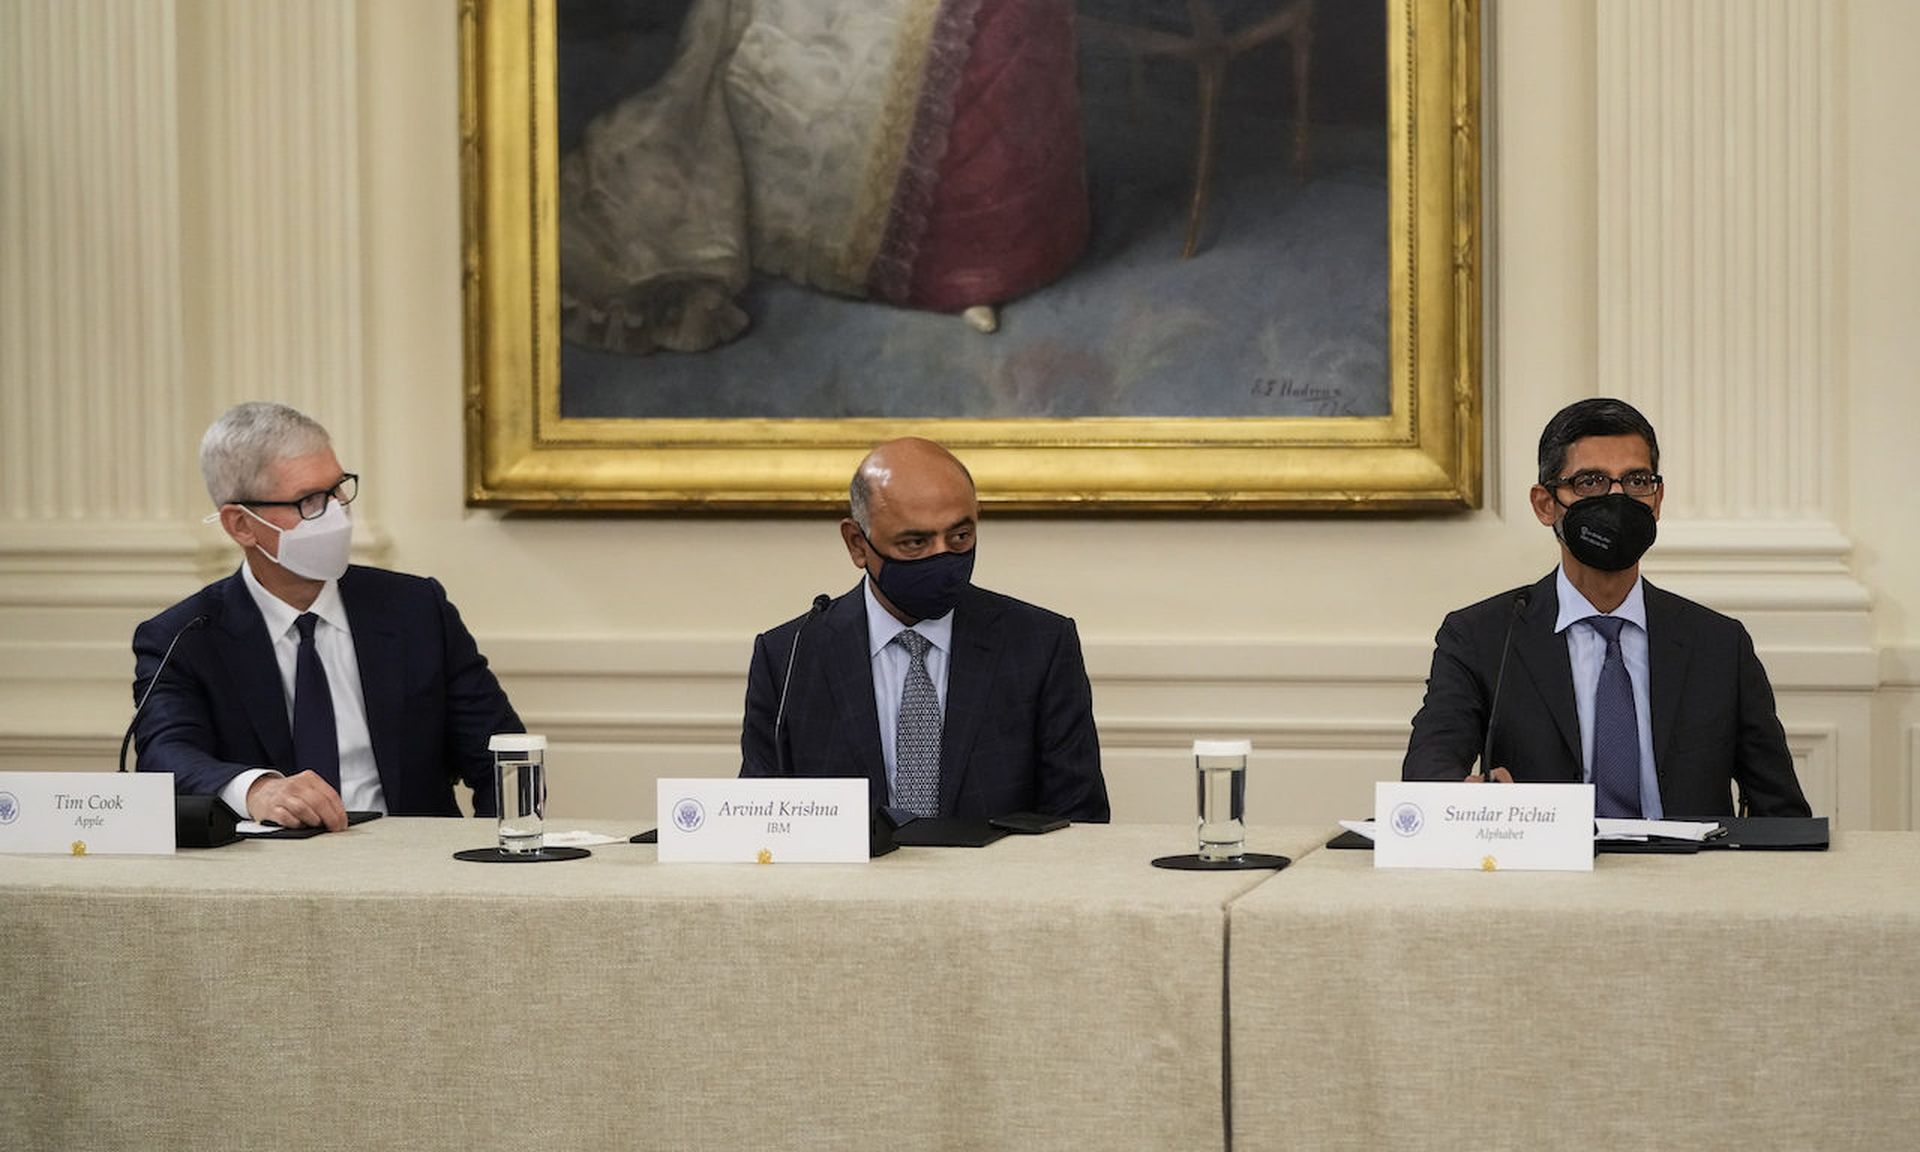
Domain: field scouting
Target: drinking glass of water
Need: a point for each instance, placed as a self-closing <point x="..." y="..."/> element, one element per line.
<point x="1220" y="768"/>
<point x="520" y="790"/>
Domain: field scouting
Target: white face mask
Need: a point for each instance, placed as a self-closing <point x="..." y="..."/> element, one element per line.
<point x="316" y="549"/>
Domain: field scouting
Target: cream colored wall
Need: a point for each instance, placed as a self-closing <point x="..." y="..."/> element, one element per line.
<point x="626" y="638"/>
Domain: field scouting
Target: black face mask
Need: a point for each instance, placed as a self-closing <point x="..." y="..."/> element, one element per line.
<point x="927" y="588"/>
<point x="1608" y="532"/>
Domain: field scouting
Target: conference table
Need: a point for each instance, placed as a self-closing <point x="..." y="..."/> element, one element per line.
<point x="365" y="990"/>
<point x="1728" y="999"/>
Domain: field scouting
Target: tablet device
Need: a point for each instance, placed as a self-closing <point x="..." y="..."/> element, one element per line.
<point x="1029" y="823"/>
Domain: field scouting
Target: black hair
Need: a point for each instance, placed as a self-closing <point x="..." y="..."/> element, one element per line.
<point x="1600" y="416"/>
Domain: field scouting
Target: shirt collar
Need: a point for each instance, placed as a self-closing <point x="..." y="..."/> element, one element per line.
<point x="280" y="615"/>
<point x="1574" y="607"/>
<point x="882" y="627"/>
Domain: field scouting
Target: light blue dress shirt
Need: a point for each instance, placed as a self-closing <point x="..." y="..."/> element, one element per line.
<point x="1587" y="650"/>
<point x="890" y="664"/>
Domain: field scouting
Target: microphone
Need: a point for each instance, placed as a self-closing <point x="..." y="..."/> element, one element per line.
<point x="1493" y="710"/>
<point x="820" y="603"/>
<point x="196" y="622"/>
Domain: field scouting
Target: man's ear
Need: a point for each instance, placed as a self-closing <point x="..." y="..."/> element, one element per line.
<point x="1545" y="507"/>
<point x="855" y="541"/>
<point x="243" y="529"/>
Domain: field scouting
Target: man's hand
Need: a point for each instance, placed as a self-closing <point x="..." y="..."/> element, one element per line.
<point x="299" y="801"/>
<point x="1500" y="776"/>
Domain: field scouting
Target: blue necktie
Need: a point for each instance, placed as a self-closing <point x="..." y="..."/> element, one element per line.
<point x="916" y="734"/>
<point x="316" y="746"/>
<point x="1616" y="730"/>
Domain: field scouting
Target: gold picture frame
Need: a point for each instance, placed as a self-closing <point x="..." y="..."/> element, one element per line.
<point x="1425" y="454"/>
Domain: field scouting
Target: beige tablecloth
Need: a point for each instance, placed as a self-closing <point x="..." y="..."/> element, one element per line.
<point x="1726" y="1000"/>
<point x="366" y="991"/>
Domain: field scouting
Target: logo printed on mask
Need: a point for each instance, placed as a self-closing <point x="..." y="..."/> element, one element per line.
<point x="317" y="549"/>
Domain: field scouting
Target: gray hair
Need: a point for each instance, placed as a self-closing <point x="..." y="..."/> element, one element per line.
<point x="248" y="439"/>
<point x="859" y="494"/>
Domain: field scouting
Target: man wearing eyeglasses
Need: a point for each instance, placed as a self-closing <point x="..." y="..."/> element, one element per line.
<point x="303" y="687"/>
<point x="1657" y="701"/>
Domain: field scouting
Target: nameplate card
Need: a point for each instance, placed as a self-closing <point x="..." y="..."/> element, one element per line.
<point x="758" y="820"/>
<point x="1485" y="827"/>
<point x="87" y="813"/>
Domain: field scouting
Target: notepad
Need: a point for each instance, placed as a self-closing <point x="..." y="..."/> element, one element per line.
<point x="1615" y="828"/>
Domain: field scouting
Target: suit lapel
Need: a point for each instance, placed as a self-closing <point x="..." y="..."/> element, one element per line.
<point x="382" y="660"/>
<point x="1542" y="654"/>
<point x="1666" y="665"/>
<point x="849" y="671"/>
<point x="247" y="651"/>
<point x="969" y="680"/>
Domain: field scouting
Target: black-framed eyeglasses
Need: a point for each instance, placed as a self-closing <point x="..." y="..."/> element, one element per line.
<point x="1594" y="482"/>
<point x="313" y="505"/>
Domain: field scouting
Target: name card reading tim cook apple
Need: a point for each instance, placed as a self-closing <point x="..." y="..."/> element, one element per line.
<point x="87" y="813"/>
<point x="763" y="821"/>
<point x="1486" y="827"/>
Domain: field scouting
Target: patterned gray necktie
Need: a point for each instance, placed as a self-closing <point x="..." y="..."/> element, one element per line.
<point x="916" y="735"/>
<point x="1616" y="730"/>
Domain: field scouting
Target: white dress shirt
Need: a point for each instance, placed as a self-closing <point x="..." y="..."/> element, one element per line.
<point x="1587" y="650"/>
<point x="890" y="664"/>
<point x="360" y="789"/>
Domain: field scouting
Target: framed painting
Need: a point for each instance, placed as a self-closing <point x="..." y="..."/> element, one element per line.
<point x="1119" y="255"/>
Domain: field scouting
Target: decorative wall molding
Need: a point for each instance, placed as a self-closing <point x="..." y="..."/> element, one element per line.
<point x="90" y="284"/>
<point x="1718" y="246"/>
<point x="1913" y="777"/>
<point x="273" y="102"/>
<point x="1816" y="761"/>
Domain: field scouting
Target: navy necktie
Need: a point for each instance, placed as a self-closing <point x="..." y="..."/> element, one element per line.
<point x="916" y="734"/>
<point x="1616" y="730"/>
<point x="316" y="745"/>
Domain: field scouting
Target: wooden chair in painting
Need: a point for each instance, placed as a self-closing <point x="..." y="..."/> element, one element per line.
<point x="1211" y="47"/>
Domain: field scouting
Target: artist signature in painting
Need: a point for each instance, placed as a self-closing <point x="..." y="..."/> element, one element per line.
<point x="1321" y="401"/>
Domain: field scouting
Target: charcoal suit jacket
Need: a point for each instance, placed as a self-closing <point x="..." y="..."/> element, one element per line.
<point x="1018" y="734"/>
<point x="1714" y="724"/>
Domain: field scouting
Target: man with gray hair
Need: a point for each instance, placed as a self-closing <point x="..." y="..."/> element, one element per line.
<point x="951" y="700"/>
<point x="303" y="687"/>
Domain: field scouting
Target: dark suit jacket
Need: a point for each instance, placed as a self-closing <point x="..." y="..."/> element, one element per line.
<point x="219" y="709"/>
<point x="1018" y="734"/>
<point x="1713" y="715"/>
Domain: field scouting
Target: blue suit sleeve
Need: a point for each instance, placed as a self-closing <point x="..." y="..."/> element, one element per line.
<point x="477" y="707"/>
<point x="1066" y="741"/>
<point x="175" y="732"/>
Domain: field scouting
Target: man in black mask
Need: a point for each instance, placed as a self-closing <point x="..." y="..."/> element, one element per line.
<point x="1659" y="702"/>
<point x="951" y="700"/>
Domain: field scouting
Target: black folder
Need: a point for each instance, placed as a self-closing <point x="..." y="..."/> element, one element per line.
<point x="946" y="832"/>
<point x="1774" y="834"/>
<point x="353" y="817"/>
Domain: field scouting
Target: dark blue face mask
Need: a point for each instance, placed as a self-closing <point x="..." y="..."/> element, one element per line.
<point x="927" y="588"/>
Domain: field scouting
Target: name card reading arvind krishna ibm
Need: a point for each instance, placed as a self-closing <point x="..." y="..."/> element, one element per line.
<point x="1485" y="827"/>
<point x="763" y="821"/>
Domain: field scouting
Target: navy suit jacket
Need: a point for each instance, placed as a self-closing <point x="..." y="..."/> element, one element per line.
<point x="220" y="709"/>
<point x="1713" y="714"/>
<point x="1018" y="734"/>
